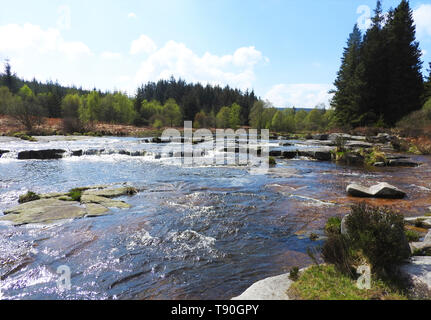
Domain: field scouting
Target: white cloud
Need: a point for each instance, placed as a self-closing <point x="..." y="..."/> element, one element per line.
<point x="176" y="59"/>
<point x="132" y="15"/>
<point x="143" y="44"/>
<point x="32" y="38"/>
<point x="422" y="17"/>
<point x="301" y="95"/>
<point x="108" y="55"/>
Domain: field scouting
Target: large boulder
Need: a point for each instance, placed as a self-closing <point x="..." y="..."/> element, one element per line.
<point x="381" y="190"/>
<point x="110" y="193"/>
<point x="402" y="163"/>
<point x="274" y="288"/>
<point x="41" y="154"/>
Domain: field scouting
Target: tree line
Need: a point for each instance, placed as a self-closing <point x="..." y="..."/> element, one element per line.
<point x="380" y="79"/>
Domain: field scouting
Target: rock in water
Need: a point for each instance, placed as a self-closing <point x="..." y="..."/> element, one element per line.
<point x="382" y="190"/>
<point x="41" y="154"/>
<point x="44" y="211"/>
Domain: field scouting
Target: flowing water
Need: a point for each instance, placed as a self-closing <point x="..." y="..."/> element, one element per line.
<point x="205" y="232"/>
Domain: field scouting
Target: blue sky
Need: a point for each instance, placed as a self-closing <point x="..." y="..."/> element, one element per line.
<point x="288" y="51"/>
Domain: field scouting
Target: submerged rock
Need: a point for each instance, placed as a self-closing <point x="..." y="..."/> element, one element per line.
<point x="382" y="190"/>
<point x="2" y="152"/>
<point x="41" y="154"/>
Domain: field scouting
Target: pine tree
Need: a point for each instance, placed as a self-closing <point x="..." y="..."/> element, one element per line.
<point x="372" y="71"/>
<point x="9" y="78"/>
<point x="346" y="99"/>
<point x="404" y="79"/>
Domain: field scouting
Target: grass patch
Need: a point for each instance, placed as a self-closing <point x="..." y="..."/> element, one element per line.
<point x="29" y="196"/>
<point x="326" y="283"/>
<point x="24" y="136"/>
<point x="75" y="194"/>
<point x="333" y="225"/>
<point x="412" y="236"/>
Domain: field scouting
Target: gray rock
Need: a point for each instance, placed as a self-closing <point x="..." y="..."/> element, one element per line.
<point x="344" y="225"/>
<point x="289" y="154"/>
<point x="93" y="152"/>
<point x="382" y="190"/>
<point x="321" y="137"/>
<point x="402" y="163"/>
<point x="379" y="164"/>
<point x="358" y="144"/>
<point x="418" y="271"/>
<point x="275" y="153"/>
<point x="77" y="153"/>
<point x="41" y="154"/>
<point x="274" y="288"/>
<point x="106" y="202"/>
<point x="43" y="211"/>
<point x="2" y="152"/>
<point x="108" y="193"/>
<point x="425" y="221"/>
<point x="286" y="144"/>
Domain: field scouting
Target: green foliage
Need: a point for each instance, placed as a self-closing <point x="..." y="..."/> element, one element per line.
<point x="75" y="194"/>
<point x="71" y="106"/>
<point x="29" y="196"/>
<point x="235" y="116"/>
<point x="272" y="161"/>
<point x="24" y="136"/>
<point x="223" y="118"/>
<point x="294" y="274"/>
<point x="380" y="78"/>
<point x="6" y="99"/>
<point x="412" y="236"/>
<point x="378" y="233"/>
<point x="255" y="117"/>
<point x="333" y="226"/>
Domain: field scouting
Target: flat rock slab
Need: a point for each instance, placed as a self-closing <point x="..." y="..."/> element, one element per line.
<point x="106" y="202"/>
<point x="96" y="210"/>
<point x="382" y="190"/>
<point x="274" y="288"/>
<point x="108" y="193"/>
<point x="426" y="221"/>
<point x="44" y="211"/>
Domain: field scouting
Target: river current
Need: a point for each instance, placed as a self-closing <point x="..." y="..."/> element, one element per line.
<point x="205" y="232"/>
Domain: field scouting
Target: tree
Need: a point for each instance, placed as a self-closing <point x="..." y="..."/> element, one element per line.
<point x="70" y="106"/>
<point x="346" y="98"/>
<point x="405" y="82"/>
<point x="235" y="116"/>
<point x="300" y="117"/>
<point x="223" y="118"/>
<point x="256" y="115"/>
<point x="278" y="122"/>
<point x="6" y="99"/>
<point x="9" y="78"/>
<point x="25" y="109"/>
<point x="172" y="112"/>
<point x="89" y="110"/>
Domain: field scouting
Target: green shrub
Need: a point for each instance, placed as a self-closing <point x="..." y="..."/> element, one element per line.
<point x="336" y="251"/>
<point x="75" y="194"/>
<point x="333" y="226"/>
<point x="29" y="196"/>
<point x="378" y="234"/>
<point x="24" y="136"/>
<point x="294" y="274"/>
<point x="412" y="236"/>
<point x="272" y="161"/>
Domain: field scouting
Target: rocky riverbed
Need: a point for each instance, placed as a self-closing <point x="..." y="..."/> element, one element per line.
<point x="203" y="232"/>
